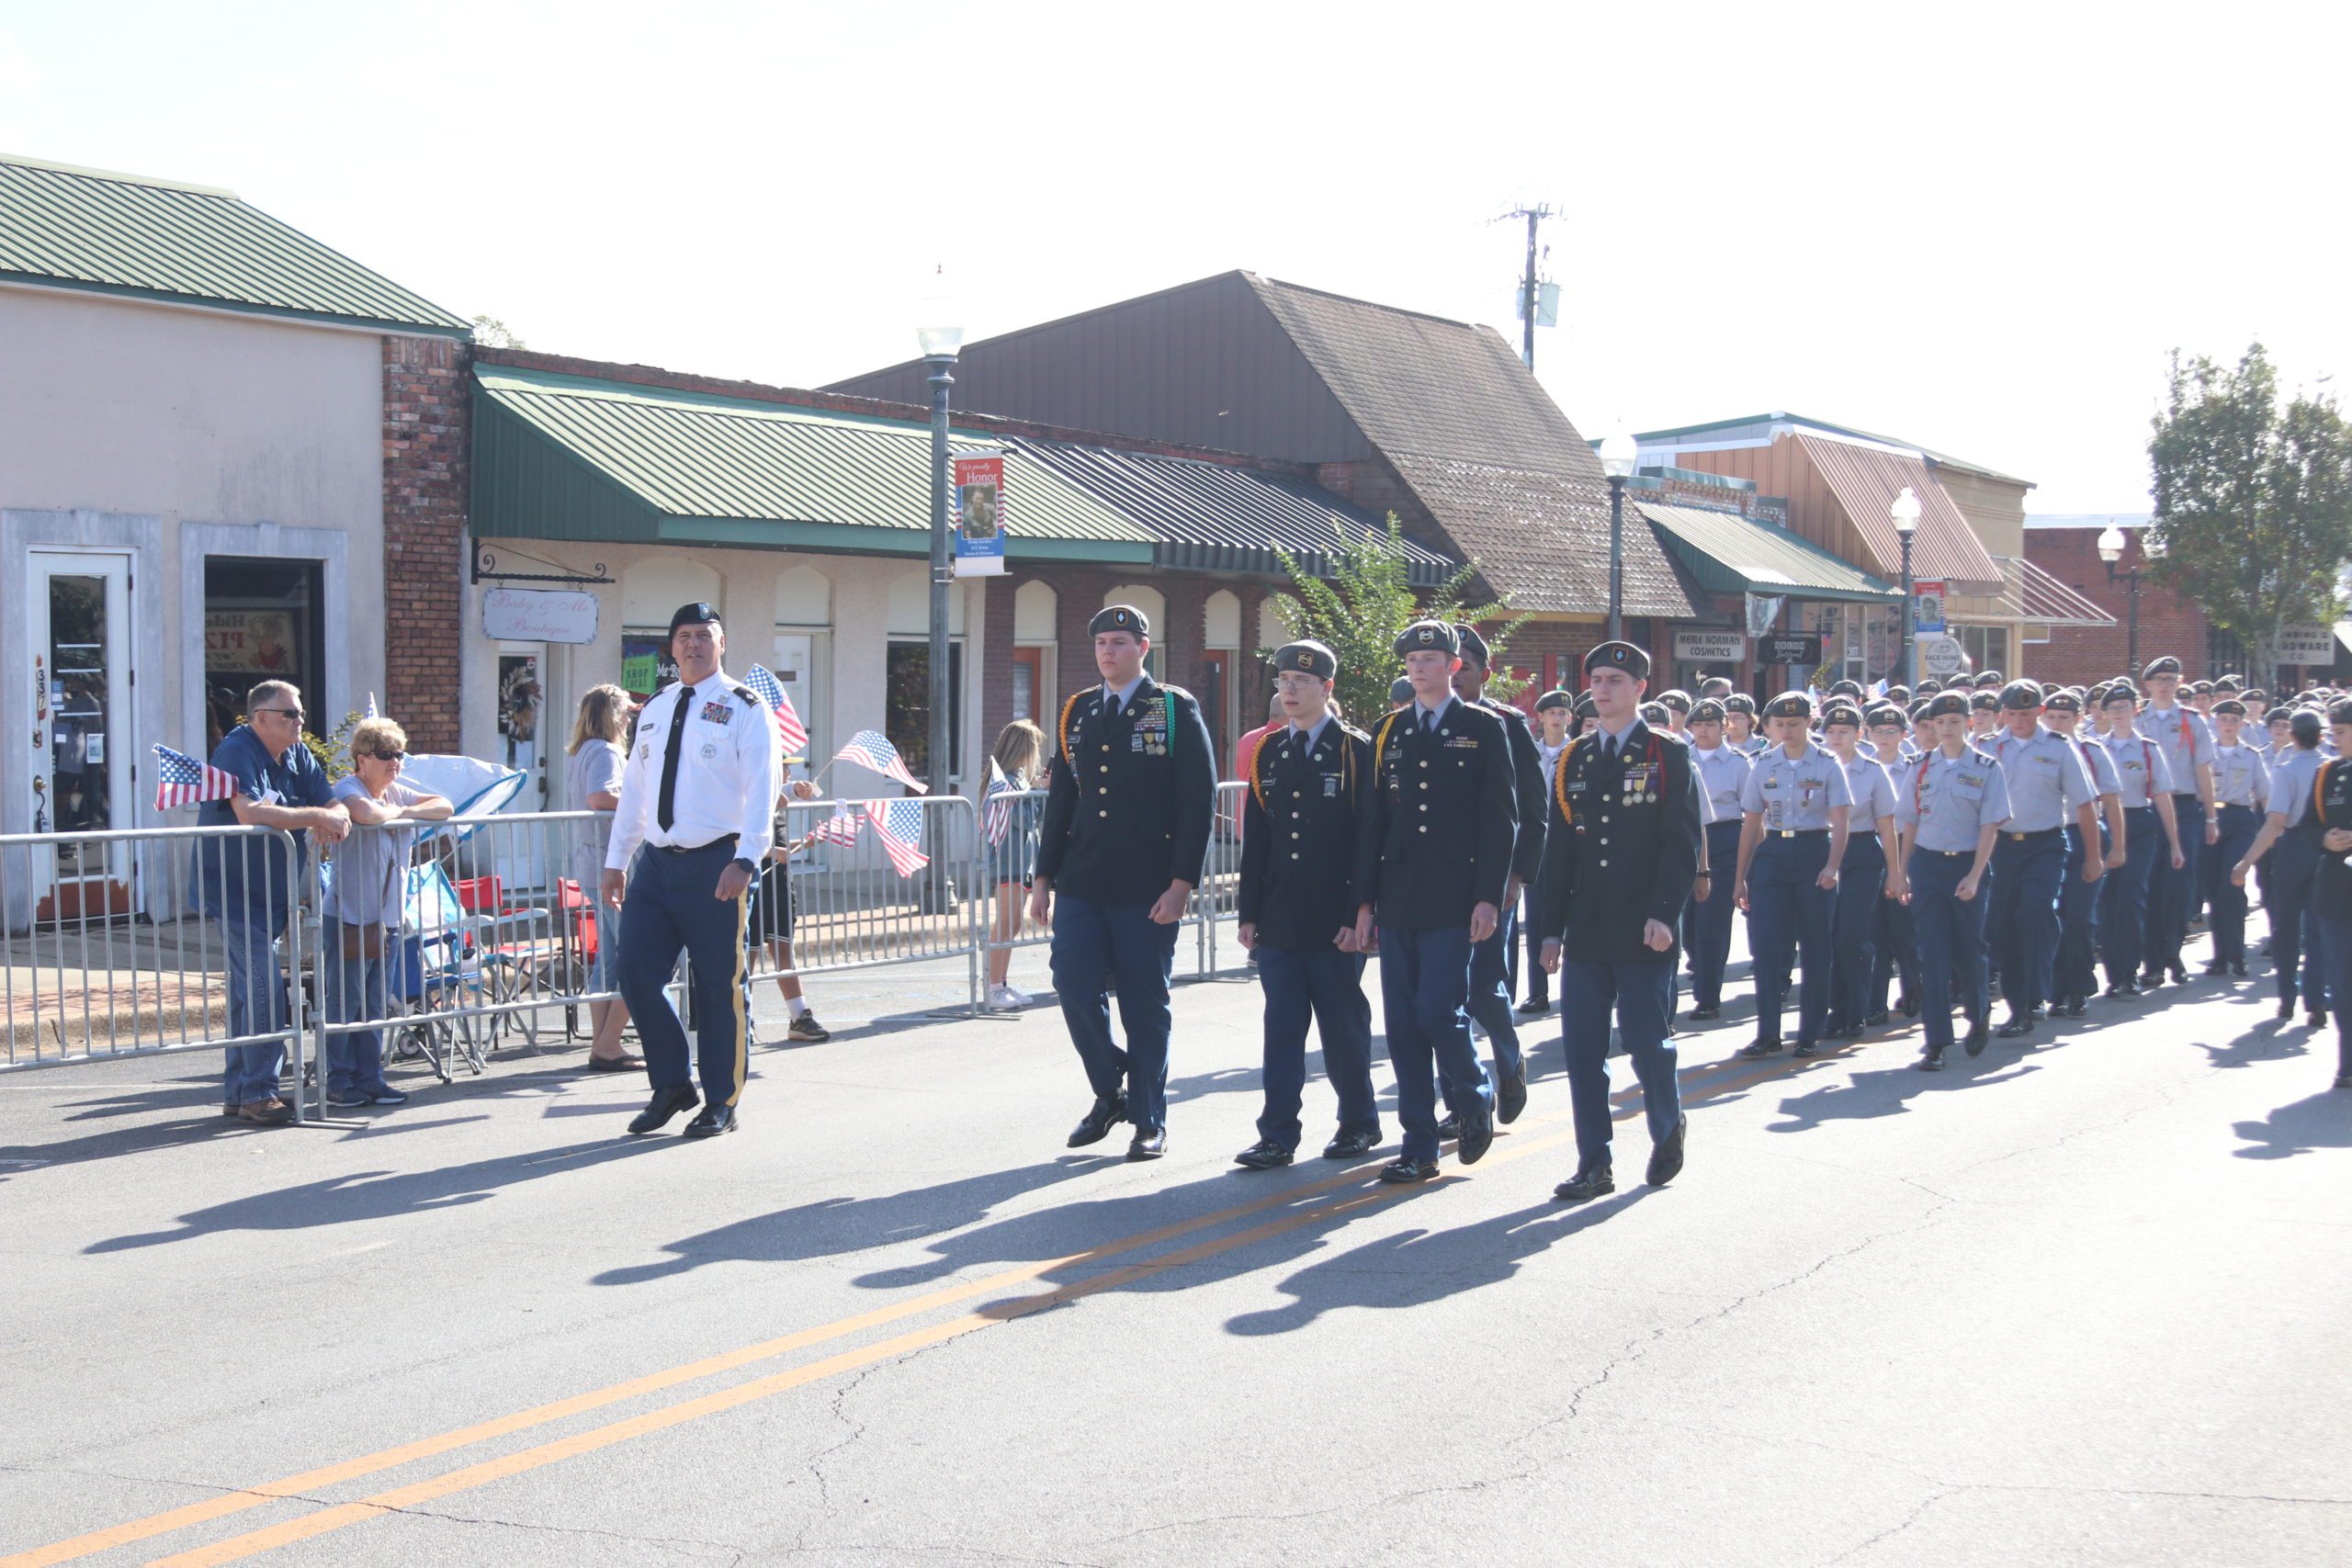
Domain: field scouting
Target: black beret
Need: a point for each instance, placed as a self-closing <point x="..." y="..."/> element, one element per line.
<point x="2278" y="715"/>
<point x="2340" y="711"/>
<point x="1947" y="704"/>
<point x="1739" y="701"/>
<point x="1929" y="686"/>
<point x="1898" y="692"/>
<point x="1400" y="690"/>
<point x="2063" y="701"/>
<point x="2308" y="725"/>
<point x="1707" y="711"/>
<point x="2229" y="684"/>
<point x="1555" y="699"/>
<point x="1309" y="656"/>
<point x="1654" y="713"/>
<point x="1119" y="618"/>
<point x="1679" y="701"/>
<point x="2167" y="665"/>
<point x="1618" y="656"/>
<point x="1919" y="709"/>
<point x="2118" y="692"/>
<point x="2230" y="704"/>
<point x="1885" y="714"/>
<point x="1989" y="702"/>
<point x="1468" y="641"/>
<point x="700" y="613"/>
<point x="2256" y="695"/>
<point x="1841" y="712"/>
<point x="2022" y="694"/>
<point x="1790" y="705"/>
<point x="1988" y="680"/>
<point x="1845" y="689"/>
<point x="1427" y="636"/>
<point x="1585" y="708"/>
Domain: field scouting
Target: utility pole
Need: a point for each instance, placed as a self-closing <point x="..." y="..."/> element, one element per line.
<point x="1534" y="215"/>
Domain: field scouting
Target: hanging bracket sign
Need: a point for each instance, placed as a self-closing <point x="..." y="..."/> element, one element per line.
<point x="979" y="516"/>
<point x="538" y="614"/>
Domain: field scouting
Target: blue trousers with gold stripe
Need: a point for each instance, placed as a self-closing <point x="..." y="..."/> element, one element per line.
<point x="672" y="907"/>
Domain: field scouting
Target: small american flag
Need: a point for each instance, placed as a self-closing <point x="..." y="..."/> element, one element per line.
<point x="371" y="707"/>
<point x="898" y="824"/>
<point x="999" y="818"/>
<point x="181" y="780"/>
<point x="840" y="827"/>
<point x="872" y="749"/>
<point x="788" y="728"/>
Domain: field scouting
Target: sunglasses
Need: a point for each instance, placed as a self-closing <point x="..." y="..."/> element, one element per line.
<point x="294" y="714"/>
<point x="389" y="756"/>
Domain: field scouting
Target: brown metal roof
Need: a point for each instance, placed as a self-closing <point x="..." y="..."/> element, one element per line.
<point x="1866" y="480"/>
<point x="2040" y="596"/>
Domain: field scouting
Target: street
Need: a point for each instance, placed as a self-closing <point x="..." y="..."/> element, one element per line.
<point x="2078" y="1302"/>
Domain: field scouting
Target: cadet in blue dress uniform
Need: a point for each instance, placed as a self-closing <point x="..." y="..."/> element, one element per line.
<point x="1298" y="907"/>
<point x="1493" y="966"/>
<point x="1951" y="808"/>
<point x="1556" y="726"/>
<point x="2329" y="824"/>
<point x="698" y="805"/>
<point x="1132" y="792"/>
<point x="2050" y="799"/>
<point x="2241" y="791"/>
<point x="2187" y="741"/>
<point x="1869" y="874"/>
<point x="1433" y="860"/>
<point x="1722" y="772"/>
<point x="1622" y="859"/>
<point x="2073" y="975"/>
<point x="1895" y="944"/>
<point x="2293" y="862"/>
<point x="1791" y="841"/>
<point x="1739" y="725"/>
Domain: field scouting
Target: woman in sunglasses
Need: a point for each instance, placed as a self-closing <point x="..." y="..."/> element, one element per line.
<point x="364" y="905"/>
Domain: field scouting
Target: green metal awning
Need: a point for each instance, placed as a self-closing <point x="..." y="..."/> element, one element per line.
<point x="559" y="456"/>
<point x="1731" y="554"/>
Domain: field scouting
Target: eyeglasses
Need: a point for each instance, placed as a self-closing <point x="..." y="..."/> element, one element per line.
<point x="389" y="756"/>
<point x="294" y="714"/>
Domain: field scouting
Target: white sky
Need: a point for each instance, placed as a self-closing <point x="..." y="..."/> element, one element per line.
<point x="1980" y="227"/>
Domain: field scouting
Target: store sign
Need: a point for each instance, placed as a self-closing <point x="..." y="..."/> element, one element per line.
<point x="1796" y="649"/>
<point x="246" y="641"/>
<point x="1710" y="647"/>
<point x="534" y="615"/>
<point x="979" y="516"/>
<point x="2307" y="644"/>
<point x="1941" y="655"/>
<point x="1927" y="607"/>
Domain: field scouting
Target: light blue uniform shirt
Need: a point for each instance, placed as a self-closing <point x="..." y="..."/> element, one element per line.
<point x="1873" y="793"/>
<point x="1722" y="773"/>
<point x="2141" y="772"/>
<point x="2290" y="783"/>
<point x="2097" y="763"/>
<point x="1795" y="795"/>
<point x="1950" y="799"/>
<point x="2046" y="778"/>
<point x="2187" y="739"/>
<point x="2240" y="776"/>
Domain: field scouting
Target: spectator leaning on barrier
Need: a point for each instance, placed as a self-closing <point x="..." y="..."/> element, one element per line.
<point x="1021" y="757"/>
<point x="592" y="779"/>
<point x="360" y="916"/>
<point x="247" y="887"/>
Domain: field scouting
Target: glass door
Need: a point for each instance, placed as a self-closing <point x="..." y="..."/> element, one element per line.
<point x="83" y="765"/>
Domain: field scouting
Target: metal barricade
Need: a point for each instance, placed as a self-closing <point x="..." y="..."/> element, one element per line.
<point x="1219" y="893"/>
<point x="848" y="904"/>
<point x="112" y="944"/>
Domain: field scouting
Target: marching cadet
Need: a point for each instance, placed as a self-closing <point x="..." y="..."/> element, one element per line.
<point x="1298" y="907"/>
<point x="2144" y="787"/>
<point x="2329" y="821"/>
<point x="1554" y="714"/>
<point x="1984" y="715"/>
<point x="1791" y="842"/>
<point x="2241" y="790"/>
<point x="2049" y="797"/>
<point x="698" y="804"/>
<point x="1581" y="716"/>
<point x="2073" y="975"/>
<point x="1722" y="773"/>
<point x="1951" y="808"/>
<point x="1131" y="794"/>
<point x="2187" y="741"/>
<point x="1433" y="860"/>
<point x="1623" y="859"/>
<point x="1400" y="693"/>
<point x="1869" y="874"/>
<point x="1739" y="725"/>
<point x="1895" y="944"/>
<point x="1494" y="962"/>
<point x="1678" y="713"/>
<point x="2295" y="926"/>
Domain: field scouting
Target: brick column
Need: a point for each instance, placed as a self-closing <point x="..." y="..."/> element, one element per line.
<point x="425" y="409"/>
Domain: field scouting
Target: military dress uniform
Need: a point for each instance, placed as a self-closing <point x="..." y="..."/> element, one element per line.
<point x="2187" y="741"/>
<point x="2331" y="897"/>
<point x="697" y="794"/>
<point x="2241" y="793"/>
<point x="2048" y="789"/>
<point x="1438" y="829"/>
<point x="1895" y="944"/>
<point x="1943" y="805"/>
<point x="1530" y="894"/>
<point x="1300" y="816"/>
<point x="2142" y="776"/>
<point x="1862" y="888"/>
<point x="1131" y="795"/>
<point x="1621" y="851"/>
<point x="2295" y="953"/>
<point x="1491" y="961"/>
<point x="1793" y="807"/>
<point x="2074" y="973"/>
<point x="1722" y="774"/>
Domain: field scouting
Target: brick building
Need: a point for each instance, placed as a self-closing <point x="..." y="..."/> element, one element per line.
<point x="2066" y="546"/>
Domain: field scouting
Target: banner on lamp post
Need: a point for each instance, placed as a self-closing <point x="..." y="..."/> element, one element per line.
<point x="1926" y="606"/>
<point x="979" y="516"/>
<point x="1763" y="609"/>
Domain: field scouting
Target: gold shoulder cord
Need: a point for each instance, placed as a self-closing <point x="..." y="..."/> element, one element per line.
<point x="1064" y="731"/>
<point x="1380" y="744"/>
<point x="1560" y="778"/>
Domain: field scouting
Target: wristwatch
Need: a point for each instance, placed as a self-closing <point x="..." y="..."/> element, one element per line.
<point x="745" y="864"/>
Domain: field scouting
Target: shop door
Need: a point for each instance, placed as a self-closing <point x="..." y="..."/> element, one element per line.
<point x="83" y="772"/>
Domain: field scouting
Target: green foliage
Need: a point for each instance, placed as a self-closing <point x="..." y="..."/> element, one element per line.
<point x="491" y="333"/>
<point x="334" y="751"/>
<point x="1367" y="601"/>
<point x="2254" y="500"/>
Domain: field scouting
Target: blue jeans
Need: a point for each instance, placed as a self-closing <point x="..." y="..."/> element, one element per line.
<point x="354" y="990"/>
<point x="2168" y="890"/>
<point x="1706" y="926"/>
<point x="2023" y="913"/>
<point x="1093" y="943"/>
<point x="2123" y="895"/>
<point x="1328" y="984"/>
<point x="1490" y="994"/>
<point x="1952" y="941"/>
<point x="1424" y="992"/>
<point x="1639" y="994"/>
<point x="1789" y="917"/>
<point x="256" y="1006"/>
<point x="1853" y="930"/>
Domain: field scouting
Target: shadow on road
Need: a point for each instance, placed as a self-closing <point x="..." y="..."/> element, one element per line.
<point x="2322" y="1120"/>
<point x="1888" y="1091"/>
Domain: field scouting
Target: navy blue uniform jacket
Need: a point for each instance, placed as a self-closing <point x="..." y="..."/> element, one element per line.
<point x="1129" y="801"/>
<point x="1622" y="846"/>
<point x="1440" y="819"/>
<point x="1298" y="837"/>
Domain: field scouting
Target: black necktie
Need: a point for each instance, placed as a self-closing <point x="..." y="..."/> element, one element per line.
<point x="1429" y="723"/>
<point x="1110" y="706"/>
<point x="1609" y="749"/>
<point x="663" y="811"/>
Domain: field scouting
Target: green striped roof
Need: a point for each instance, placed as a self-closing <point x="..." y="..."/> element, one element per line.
<point x="147" y="239"/>
<point x="1731" y="554"/>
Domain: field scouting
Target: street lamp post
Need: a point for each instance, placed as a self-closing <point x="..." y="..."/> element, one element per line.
<point x="939" y="345"/>
<point x="1906" y="512"/>
<point x="2111" y="546"/>
<point x="1618" y="456"/>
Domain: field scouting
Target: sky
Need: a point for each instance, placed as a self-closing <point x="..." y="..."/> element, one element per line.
<point x="1982" y="227"/>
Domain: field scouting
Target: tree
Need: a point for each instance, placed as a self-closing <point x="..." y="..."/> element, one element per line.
<point x="2254" y="500"/>
<point x="491" y="333"/>
<point x="1366" y="602"/>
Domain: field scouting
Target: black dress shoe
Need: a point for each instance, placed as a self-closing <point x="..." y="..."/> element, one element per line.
<point x="1511" y="1097"/>
<point x="1666" y="1160"/>
<point x="1806" y="1048"/>
<point x="1931" y="1060"/>
<point x="1978" y="1037"/>
<point x="1402" y="1170"/>
<point x="1147" y="1146"/>
<point x="1263" y="1154"/>
<point x="2316" y="1018"/>
<point x="2237" y="969"/>
<point x="1591" y="1182"/>
<point x="1450" y="1127"/>
<point x="2216" y="967"/>
<point x="1108" y="1112"/>
<point x="2344" y="1081"/>
<point x="2285" y="1013"/>
<point x="1351" y="1145"/>
<point x="1879" y="1019"/>
<point x="666" y="1103"/>
<point x="1908" y="1007"/>
<point x="1705" y="1015"/>
<point x="2128" y="992"/>
<point x="1535" y="1006"/>
<point x="1478" y="1137"/>
<point x="2180" y="975"/>
<point x="714" y="1120"/>
<point x="2016" y="1029"/>
<point x="2151" y="979"/>
<point x="1760" y="1048"/>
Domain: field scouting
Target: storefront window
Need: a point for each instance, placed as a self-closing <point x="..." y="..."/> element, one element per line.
<point x="906" y="703"/>
<point x="1987" y="648"/>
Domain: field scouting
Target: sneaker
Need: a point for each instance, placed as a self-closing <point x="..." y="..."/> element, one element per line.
<point x="387" y="1095"/>
<point x="1007" y="999"/>
<point x="346" y="1096"/>
<point x="807" y="1027"/>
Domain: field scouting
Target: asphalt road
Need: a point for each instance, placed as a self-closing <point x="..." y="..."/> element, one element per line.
<point x="2080" y="1302"/>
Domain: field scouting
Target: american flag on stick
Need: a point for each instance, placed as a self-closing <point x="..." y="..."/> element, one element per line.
<point x="840" y="827"/>
<point x="999" y="818"/>
<point x="181" y="780"/>
<point x="788" y="728"/>
<point x="371" y="707"/>
<point x="898" y="824"/>
<point x="872" y="749"/>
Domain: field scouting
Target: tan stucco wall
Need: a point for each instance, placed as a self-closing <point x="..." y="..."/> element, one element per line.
<point x="1995" y="508"/>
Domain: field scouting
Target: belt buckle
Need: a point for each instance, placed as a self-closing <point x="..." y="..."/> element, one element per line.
<point x="2018" y="838"/>
<point x="1786" y="832"/>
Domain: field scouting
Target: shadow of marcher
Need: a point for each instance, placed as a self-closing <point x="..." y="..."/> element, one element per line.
<point x="1888" y="1091"/>
<point x="2265" y="1041"/>
<point x="2322" y="1120"/>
